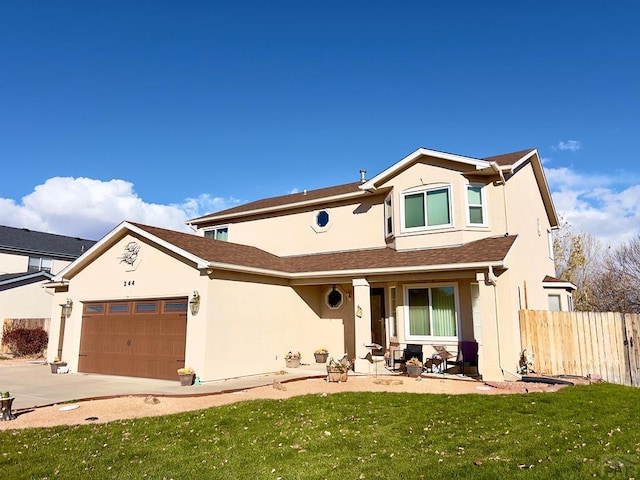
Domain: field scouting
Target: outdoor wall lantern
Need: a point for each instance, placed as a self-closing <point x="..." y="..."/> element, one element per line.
<point x="194" y="303"/>
<point x="67" y="307"/>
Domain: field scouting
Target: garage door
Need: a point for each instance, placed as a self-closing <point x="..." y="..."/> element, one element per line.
<point x="136" y="338"/>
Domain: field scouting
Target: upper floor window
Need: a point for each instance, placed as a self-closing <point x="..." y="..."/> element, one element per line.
<point x="218" y="233"/>
<point x="322" y="218"/>
<point x="476" y="205"/>
<point x="38" y="264"/>
<point x="388" y="216"/>
<point x="427" y="208"/>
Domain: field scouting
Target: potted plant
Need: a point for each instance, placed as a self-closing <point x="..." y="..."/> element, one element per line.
<point x="57" y="363"/>
<point x="337" y="370"/>
<point x="186" y="376"/>
<point x="414" y="367"/>
<point x="321" y="355"/>
<point x="293" y="359"/>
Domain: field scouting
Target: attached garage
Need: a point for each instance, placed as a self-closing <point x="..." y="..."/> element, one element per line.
<point x="142" y="338"/>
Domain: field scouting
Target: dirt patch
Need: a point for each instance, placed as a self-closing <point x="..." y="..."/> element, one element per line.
<point x="108" y="410"/>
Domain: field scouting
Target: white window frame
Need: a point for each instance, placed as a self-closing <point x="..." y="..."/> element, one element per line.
<point x="424" y="191"/>
<point x="45" y="264"/>
<point x="550" y="244"/>
<point x="393" y="304"/>
<point x="431" y="338"/>
<point x="215" y="232"/>
<point x="388" y="216"/>
<point x="342" y="297"/>
<point x="555" y="296"/>
<point x="314" y="221"/>
<point x="482" y="205"/>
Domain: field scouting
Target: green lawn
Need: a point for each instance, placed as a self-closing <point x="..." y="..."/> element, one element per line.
<point x="577" y="433"/>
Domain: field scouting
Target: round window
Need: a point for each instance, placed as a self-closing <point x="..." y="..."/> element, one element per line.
<point x="334" y="298"/>
<point x="322" y="218"/>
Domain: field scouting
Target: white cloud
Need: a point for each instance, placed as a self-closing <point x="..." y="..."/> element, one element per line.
<point x="571" y="145"/>
<point x="89" y="208"/>
<point x="596" y="204"/>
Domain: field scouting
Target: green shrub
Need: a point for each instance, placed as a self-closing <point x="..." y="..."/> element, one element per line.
<point x="25" y="341"/>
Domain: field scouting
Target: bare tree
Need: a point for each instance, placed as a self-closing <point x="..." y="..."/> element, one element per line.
<point x="578" y="259"/>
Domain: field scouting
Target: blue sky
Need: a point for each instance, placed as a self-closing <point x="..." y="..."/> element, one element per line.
<point x="157" y="111"/>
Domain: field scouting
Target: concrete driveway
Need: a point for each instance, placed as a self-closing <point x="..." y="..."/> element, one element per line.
<point x="33" y="385"/>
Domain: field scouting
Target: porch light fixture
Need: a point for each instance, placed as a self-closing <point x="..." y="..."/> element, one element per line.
<point x="67" y="307"/>
<point x="194" y="303"/>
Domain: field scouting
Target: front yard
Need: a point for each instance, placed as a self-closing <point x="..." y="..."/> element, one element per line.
<point x="579" y="432"/>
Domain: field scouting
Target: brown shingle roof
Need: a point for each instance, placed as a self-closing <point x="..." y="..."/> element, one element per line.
<point x="487" y="250"/>
<point x="286" y="200"/>
<point x="283" y="200"/>
<point x="508" y="158"/>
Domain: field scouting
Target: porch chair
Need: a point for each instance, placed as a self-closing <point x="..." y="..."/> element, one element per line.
<point x="467" y="354"/>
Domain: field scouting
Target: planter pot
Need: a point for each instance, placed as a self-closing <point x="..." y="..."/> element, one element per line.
<point x="292" y="362"/>
<point x="54" y="366"/>
<point x="321" y="357"/>
<point x="335" y="375"/>
<point x="187" y="379"/>
<point x="414" y="371"/>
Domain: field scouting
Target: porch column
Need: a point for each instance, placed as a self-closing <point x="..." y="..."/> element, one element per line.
<point x="488" y="345"/>
<point x="362" y="316"/>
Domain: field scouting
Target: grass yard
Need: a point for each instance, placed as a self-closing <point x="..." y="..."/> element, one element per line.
<point x="577" y="433"/>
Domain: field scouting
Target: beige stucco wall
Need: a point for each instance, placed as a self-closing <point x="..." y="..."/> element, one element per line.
<point x="27" y="301"/>
<point x="351" y="226"/>
<point x="14" y="263"/>
<point x="251" y="325"/>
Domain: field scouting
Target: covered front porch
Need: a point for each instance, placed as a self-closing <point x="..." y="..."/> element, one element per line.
<point x="447" y="320"/>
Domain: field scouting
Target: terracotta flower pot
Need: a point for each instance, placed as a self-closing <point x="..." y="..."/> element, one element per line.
<point x="186" y="379"/>
<point x="321" y="357"/>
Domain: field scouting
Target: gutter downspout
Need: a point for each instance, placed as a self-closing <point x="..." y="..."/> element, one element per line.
<point x="497" y="169"/>
<point x="492" y="279"/>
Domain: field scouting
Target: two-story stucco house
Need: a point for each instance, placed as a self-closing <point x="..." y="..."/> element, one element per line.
<point x="28" y="260"/>
<point x="435" y="250"/>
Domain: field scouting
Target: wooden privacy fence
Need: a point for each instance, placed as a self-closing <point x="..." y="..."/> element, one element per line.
<point x="603" y="344"/>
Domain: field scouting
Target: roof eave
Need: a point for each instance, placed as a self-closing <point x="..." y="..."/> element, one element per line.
<point x="260" y="211"/>
<point x="356" y="272"/>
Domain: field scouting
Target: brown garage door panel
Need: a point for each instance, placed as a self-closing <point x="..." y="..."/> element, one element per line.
<point x="149" y="345"/>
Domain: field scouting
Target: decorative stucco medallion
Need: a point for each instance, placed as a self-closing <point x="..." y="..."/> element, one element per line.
<point x="131" y="254"/>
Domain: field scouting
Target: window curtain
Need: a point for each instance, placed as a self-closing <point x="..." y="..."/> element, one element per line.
<point x="444" y="312"/>
<point x="414" y="210"/>
<point x="438" y="207"/>
<point x="419" y="311"/>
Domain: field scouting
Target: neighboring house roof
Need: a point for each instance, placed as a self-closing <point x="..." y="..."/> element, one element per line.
<point x="13" y="280"/>
<point x="29" y="242"/>
<point x="553" y="282"/>
<point x="209" y="253"/>
<point x="508" y="162"/>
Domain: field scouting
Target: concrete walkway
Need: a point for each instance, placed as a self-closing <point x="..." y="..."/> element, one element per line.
<point x="33" y="385"/>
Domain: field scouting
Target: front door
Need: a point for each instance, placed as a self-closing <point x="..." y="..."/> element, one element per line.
<point x="378" y="330"/>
